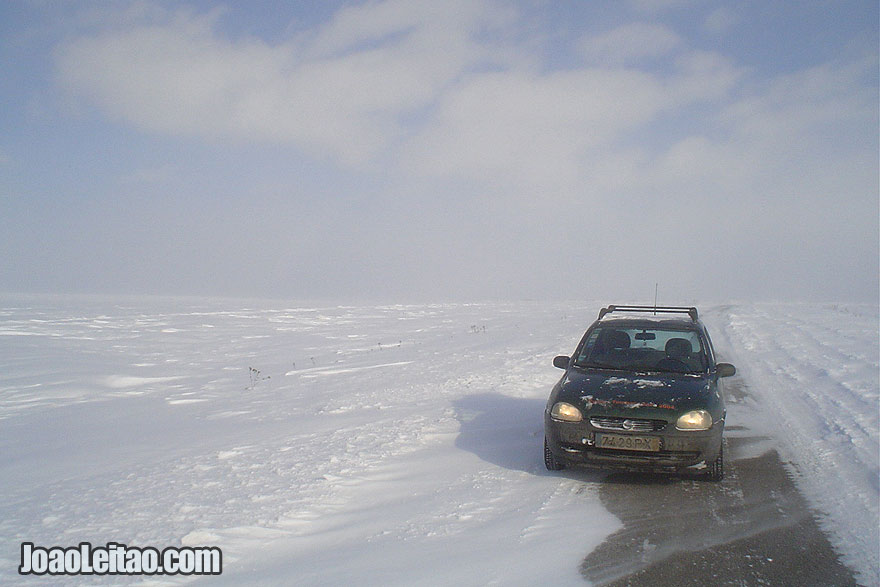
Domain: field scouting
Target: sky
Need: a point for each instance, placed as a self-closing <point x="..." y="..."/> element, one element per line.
<point x="409" y="150"/>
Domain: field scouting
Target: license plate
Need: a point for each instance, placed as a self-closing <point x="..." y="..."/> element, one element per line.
<point x="620" y="442"/>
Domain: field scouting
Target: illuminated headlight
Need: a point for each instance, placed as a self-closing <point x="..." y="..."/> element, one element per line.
<point x="695" y="420"/>
<point x="566" y="412"/>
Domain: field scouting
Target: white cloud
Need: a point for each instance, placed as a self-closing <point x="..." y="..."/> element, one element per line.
<point x="351" y="89"/>
<point x="559" y="129"/>
<point x="630" y="43"/>
<point x="340" y="92"/>
<point x="490" y="153"/>
<point x="797" y="153"/>
<point x="526" y="127"/>
<point x="720" y="20"/>
<point x="826" y="94"/>
<point x="657" y="6"/>
<point x="425" y="23"/>
<point x="412" y="83"/>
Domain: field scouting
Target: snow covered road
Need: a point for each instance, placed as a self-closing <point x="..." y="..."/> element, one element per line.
<point x="755" y="528"/>
<point x="382" y="444"/>
<point x="814" y="370"/>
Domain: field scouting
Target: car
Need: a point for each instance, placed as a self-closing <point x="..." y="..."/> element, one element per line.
<point x="642" y="391"/>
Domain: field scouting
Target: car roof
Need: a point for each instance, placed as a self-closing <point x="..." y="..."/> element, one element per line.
<point x="651" y="316"/>
<point x="650" y="322"/>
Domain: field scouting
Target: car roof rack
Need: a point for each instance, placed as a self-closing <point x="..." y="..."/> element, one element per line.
<point x="690" y="311"/>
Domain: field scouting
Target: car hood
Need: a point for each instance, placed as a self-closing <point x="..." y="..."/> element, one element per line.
<point x="650" y="395"/>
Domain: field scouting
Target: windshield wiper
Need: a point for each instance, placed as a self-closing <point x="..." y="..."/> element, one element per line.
<point x="655" y="370"/>
<point x="599" y="366"/>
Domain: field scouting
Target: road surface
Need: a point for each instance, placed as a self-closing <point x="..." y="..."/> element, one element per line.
<point x="753" y="528"/>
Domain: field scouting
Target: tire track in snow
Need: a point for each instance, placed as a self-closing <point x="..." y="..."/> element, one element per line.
<point x="821" y="405"/>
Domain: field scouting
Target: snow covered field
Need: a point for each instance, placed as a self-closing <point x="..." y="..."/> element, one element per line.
<point x="379" y="444"/>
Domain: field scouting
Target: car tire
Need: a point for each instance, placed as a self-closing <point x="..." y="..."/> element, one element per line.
<point x="716" y="469"/>
<point x="549" y="460"/>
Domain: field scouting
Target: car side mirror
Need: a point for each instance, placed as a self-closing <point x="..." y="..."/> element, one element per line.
<point x="725" y="370"/>
<point x="561" y="361"/>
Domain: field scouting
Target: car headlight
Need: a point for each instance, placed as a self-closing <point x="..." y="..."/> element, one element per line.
<point x="566" y="412"/>
<point x="695" y="420"/>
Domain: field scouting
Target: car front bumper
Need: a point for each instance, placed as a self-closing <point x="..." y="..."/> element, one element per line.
<point x="575" y="443"/>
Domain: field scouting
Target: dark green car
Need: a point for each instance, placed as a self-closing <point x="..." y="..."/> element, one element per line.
<point x="642" y="391"/>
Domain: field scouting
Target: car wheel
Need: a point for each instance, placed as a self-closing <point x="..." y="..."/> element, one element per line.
<point x="716" y="469"/>
<point x="549" y="460"/>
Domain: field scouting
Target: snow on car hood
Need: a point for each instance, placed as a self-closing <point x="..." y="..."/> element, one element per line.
<point x="612" y="390"/>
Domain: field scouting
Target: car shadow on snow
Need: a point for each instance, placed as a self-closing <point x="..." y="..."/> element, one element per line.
<point x="508" y="432"/>
<point x="502" y="430"/>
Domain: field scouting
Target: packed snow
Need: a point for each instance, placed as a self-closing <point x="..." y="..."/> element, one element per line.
<point x="815" y="370"/>
<point x="397" y="444"/>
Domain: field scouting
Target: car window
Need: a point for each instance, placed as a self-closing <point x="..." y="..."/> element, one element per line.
<point x="643" y="349"/>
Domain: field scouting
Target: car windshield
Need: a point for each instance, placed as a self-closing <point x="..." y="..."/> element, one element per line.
<point x="643" y="348"/>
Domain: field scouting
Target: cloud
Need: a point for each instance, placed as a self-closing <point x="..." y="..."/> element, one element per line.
<point x="340" y="91"/>
<point x="422" y="85"/>
<point x="632" y="152"/>
<point x="527" y="127"/>
<point x="630" y="43"/>
<point x="785" y="130"/>
<point x="437" y="30"/>
<point x="557" y="129"/>
<point x="721" y="20"/>
<point x="658" y="6"/>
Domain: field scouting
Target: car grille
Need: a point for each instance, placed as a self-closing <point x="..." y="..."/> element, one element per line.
<point x="627" y="424"/>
